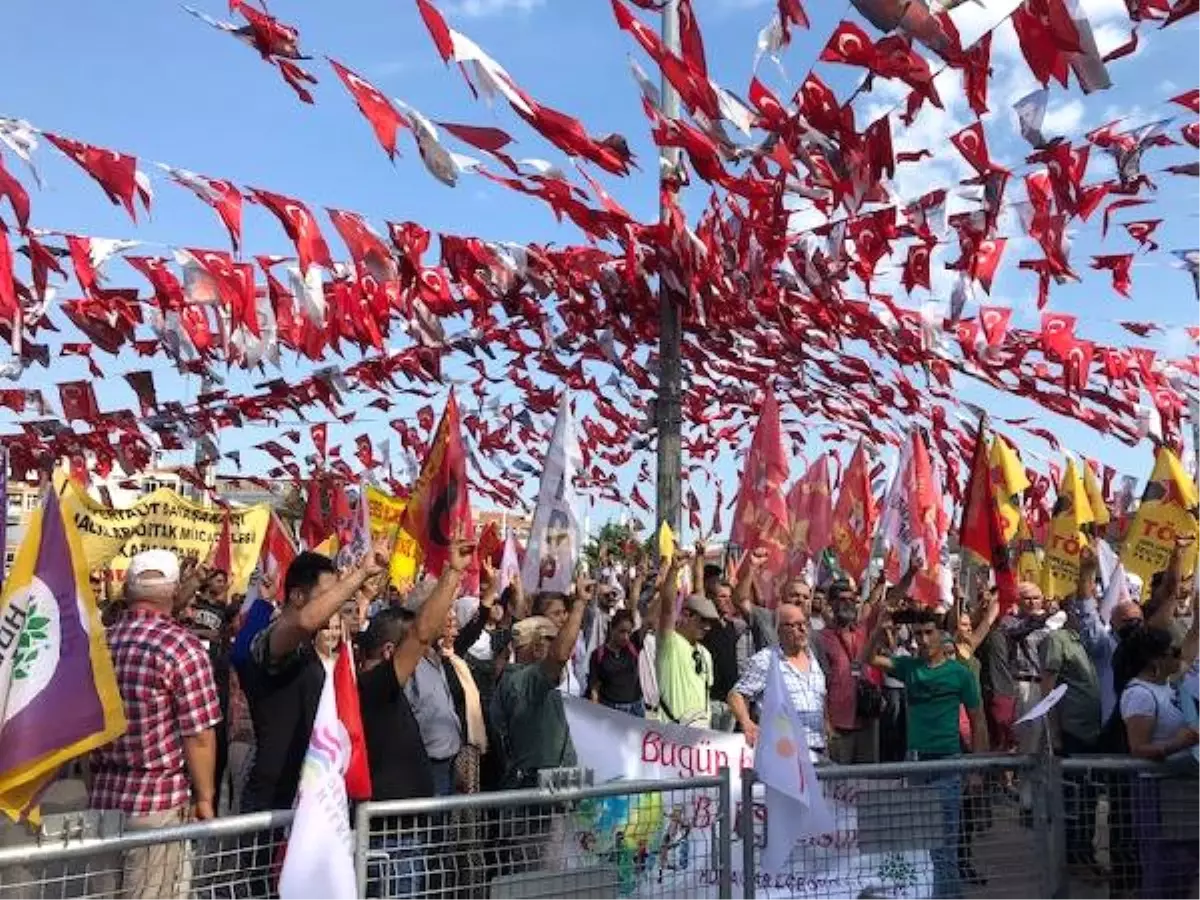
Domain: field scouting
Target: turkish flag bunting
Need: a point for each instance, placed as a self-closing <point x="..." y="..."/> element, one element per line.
<point x="300" y="225"/>
<point x="115" y="172"/>
<point x="377" y="108"/>
<point x="972" y="144"/>
<point x="78" y="401"/>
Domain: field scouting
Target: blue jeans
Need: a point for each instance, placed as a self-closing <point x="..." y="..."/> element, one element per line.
<point x="443" y="777"/>
<point x="636" y="708"/>
<point x="946" y="881"/>
<point x="395" y="867"/>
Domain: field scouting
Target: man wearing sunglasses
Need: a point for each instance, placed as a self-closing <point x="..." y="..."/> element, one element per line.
<point x="683" y="665"/>
<point x="936" y="685"/>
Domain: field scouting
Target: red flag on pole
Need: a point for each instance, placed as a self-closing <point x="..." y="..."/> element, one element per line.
<point x="854" y="516"/>
<point x="439" y="502"/>
<point x="761" y="517"/>
<point x="345" y="694"/>
<point x="810" y="506"/>
<point x="981" y="531"/>
<point x="222" y="553"/>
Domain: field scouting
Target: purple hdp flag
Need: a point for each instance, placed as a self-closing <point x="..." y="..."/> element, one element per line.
<point x="50" y="694"/>
<point x="3" y="505"/>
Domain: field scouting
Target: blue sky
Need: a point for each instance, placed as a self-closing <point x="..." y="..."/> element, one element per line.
<point x="145" y="77"/>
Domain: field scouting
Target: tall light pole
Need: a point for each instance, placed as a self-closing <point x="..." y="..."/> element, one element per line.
<point x="668" y="407"/>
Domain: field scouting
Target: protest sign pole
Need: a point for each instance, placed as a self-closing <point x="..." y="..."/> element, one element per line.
<point x="668" y="408"/>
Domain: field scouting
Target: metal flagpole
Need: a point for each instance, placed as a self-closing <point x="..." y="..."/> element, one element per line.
<point x="668" y="407"/>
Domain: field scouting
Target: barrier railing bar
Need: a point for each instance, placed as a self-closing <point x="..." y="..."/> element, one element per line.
<point x="228" y="826"/>
<point x="725" y="838"/>
<point x="431" y="805"/>
<point x="971" y="762"/>
<point x="746" y="823"/>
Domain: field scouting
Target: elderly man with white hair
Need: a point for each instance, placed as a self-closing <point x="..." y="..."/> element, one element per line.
<point x="161" y="771"/>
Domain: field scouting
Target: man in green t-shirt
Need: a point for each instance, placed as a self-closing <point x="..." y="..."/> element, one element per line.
<point x="936" y="685"/>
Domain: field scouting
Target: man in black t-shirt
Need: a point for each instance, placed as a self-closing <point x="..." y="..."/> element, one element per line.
<point x="283" y="676"/>
<point x="394" y="644"/>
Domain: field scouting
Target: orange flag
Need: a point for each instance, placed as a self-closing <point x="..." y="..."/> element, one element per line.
<point x="439" y="502"/>
<point x="981" y="531"/>
<point x="854" y="516"/>
<point x="761" y="516"/>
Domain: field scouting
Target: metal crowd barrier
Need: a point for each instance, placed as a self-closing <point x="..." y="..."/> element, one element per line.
<point x="1138" y="821"/>
<point x="934" y="828"/>
<point x="621" y="839"/>
<point x="946" y="828"/>
<point x="231" y="857"/>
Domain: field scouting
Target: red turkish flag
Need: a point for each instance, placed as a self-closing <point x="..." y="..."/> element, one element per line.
<point x="143" y="385"/>
<point x="167" y="289"/>
<point x="371" y="102"/>
<point x="114" y="172"/>
<point x="994" y="321"/>
<point x="851" y="45"/>
<point x="300" y="225"/>
<point x="1118" y="264"/>
<point x="367" y="249"/>
<point x="17" y="196"/>
<point x="78" y="401"/>
<point x="1077" y="364"/>
<point x="760" y="518"/>
<point x="364" y="451"/>
<point x="1143" y="232"/>
<point x="318" y="433"/>
<point x="1058" y="333"/>
<point x="10" y="307"/>
<point x="916" y="267"/>
<point x="987" y="260"/>
<point x="972" y="144"/>
<point x="1189" y="100"/>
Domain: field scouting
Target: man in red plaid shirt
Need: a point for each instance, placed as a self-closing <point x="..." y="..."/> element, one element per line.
<point x="161" y="771"/>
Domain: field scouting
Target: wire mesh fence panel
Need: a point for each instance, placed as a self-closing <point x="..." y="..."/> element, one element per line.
<point x="231" y="858"/>
<point x="932" y="829"/>
<point x="612" y="841"/>
<point x="1130" y="828"/>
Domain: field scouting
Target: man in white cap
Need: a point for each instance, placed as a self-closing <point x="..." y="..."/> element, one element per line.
<point x="683" y="664"/>
<point x="161" y="771"/>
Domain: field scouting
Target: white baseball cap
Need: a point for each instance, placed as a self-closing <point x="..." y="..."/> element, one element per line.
<point x="153" y="567"/>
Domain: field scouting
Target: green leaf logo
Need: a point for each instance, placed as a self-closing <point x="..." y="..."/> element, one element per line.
<point x="34" y="635"/>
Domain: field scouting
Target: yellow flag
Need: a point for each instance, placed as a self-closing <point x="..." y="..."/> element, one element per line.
<point x="1008" y="483"/>
<point x="1029" y="560"/>
<point x="666" y="542"/>
<point x="1060" y="568"/>
<point x="387" y="514"/>
<point x="1095" y="496"/>
<point x="328" y="547"/>
<point x="1168" y="509"/>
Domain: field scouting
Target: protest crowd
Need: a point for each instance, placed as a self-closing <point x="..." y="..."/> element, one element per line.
<point x="460" y="691"/>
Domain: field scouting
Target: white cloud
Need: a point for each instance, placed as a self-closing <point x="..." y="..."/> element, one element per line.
<point x="1063" y="119"/>
<point x="479" y="9"/>
<point x="1099" y="11"/>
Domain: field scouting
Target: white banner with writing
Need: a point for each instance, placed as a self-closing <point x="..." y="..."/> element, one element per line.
<point x="663" y="847"/>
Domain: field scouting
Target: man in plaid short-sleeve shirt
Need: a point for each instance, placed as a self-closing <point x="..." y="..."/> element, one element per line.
<point x="162" y="769"/>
